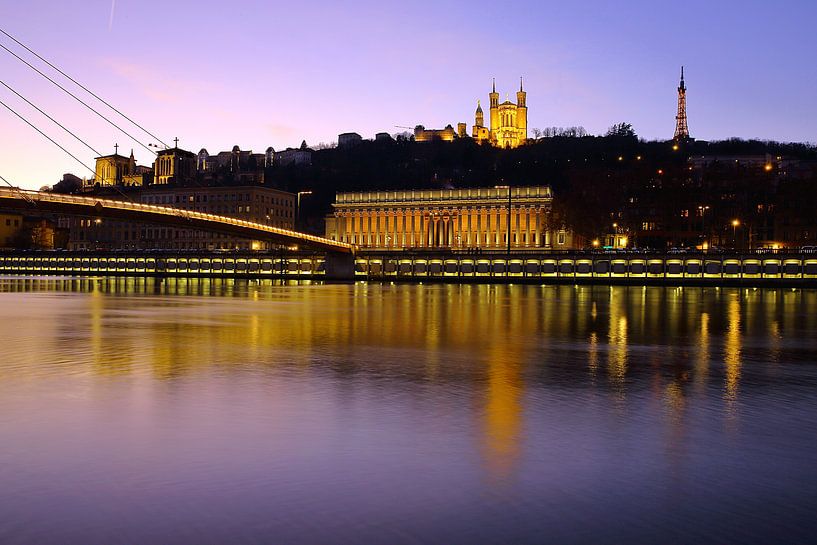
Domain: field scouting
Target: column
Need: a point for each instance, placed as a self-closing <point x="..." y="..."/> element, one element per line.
<point x="538" y="212"/>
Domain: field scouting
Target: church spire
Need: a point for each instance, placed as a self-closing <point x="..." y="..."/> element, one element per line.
<point x="520" y="84"/>
<point x="493" y="85"/>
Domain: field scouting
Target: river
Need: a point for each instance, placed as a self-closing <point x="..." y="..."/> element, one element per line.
<point x="217" y="411"/>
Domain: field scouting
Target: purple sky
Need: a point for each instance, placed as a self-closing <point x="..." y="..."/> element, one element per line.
<point x="266" y="73"/>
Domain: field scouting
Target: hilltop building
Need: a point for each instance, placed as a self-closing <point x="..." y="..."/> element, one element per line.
<point x="349" y="139"/>
<point x="421" y="134"/>
<point x="113" y="169"/>
<point x="230" y="183"/>
<point x="508" y="121"/>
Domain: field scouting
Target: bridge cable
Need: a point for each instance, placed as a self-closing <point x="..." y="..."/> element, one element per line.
<point x="103" y="101"/>
<point x="75" y="97"/>
<point x="60" y="125"/>
<point x="30" y="124"/>
<point x="56" y="144"/>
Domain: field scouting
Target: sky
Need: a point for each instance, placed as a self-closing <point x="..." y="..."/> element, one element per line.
<point x="268" y="73"/>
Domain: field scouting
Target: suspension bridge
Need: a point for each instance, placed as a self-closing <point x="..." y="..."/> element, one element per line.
<point x="40" y="201"/>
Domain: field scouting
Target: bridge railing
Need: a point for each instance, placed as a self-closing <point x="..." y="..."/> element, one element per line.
<point x="167" y="210"/>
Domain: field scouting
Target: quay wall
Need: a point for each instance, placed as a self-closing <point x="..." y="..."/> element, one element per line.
<point x="750" y="269"/>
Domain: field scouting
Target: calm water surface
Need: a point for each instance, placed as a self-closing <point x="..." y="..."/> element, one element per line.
<point x="197" y="411"/>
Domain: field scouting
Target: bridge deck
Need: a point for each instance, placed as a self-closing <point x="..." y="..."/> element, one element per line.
<point x="18" y="199"/>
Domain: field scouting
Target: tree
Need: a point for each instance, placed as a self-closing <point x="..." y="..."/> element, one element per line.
<point x="621" y="130"/>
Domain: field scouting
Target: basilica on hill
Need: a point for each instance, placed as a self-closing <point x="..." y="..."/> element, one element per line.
<point x="508" y="121"/>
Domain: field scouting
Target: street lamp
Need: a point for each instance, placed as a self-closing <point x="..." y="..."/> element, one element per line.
<point x="298" y="206"/>
<point x="703" y="209"/>
<point x="735" y="224"/>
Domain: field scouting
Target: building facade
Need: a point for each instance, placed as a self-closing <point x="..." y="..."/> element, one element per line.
<point x="421" y="134"/>
<point x="10" y="226"/>
<point x="508" y="121"/>
<point x="252" y="203"/>
<point x="114" y="169"/>
<point x="349" y="139"/>
<point x="473" y="218"/>
<point x="173" y="166"/>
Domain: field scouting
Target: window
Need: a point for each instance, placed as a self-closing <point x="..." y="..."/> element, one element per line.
<point x="561" y="237"/>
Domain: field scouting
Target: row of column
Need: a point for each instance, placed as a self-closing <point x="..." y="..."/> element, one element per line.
<point x="447" y="228"/>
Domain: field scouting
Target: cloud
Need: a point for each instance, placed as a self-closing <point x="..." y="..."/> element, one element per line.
<point x="282" y="132"/>
<point x="158" y="85"/>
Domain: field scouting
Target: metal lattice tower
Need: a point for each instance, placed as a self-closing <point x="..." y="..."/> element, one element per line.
<point x="681" y="129"/>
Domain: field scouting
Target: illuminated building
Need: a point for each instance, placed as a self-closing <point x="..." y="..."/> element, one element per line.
<point x="174" y="166"/>
<point x="252" y="203"/>
<point x="421" y="134"/>
<point x="113" y="169"/>
<point x="448" y="218"/>
<point x="10" y="225"/>
<point x="17" y="231"/>
<point x="508" y="121"/>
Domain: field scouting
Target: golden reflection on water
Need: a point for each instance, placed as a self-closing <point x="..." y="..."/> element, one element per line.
<point x="500" y="341"/>
<point x="617" y="343"/>
<point x="702" y="359"/>
<point x="503" y="413"/>
<point x="732" y="348"/>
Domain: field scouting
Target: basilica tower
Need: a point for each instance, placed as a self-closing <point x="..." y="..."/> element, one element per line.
<point x="494" y="107"/>
<point x="522" y="112"/>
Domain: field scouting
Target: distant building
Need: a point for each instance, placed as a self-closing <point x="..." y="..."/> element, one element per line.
<point x="760" y="161"/>
<point x="294" y="156"/>
<point x="508" y="121"/>
<point x="382" y="137"/>
<point x="17" y="231"/>
<point x="174" y="166"/>
<point x="252" y="203"/>
<point x="507" y="128"/>
<point x="10" y="226"/>
<point x="236" y="166"/>
<point x="349" y="139"/>
<point x="472" y="218"/>
<point x="111" y="169"/>
<point x="421" y="134"/>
